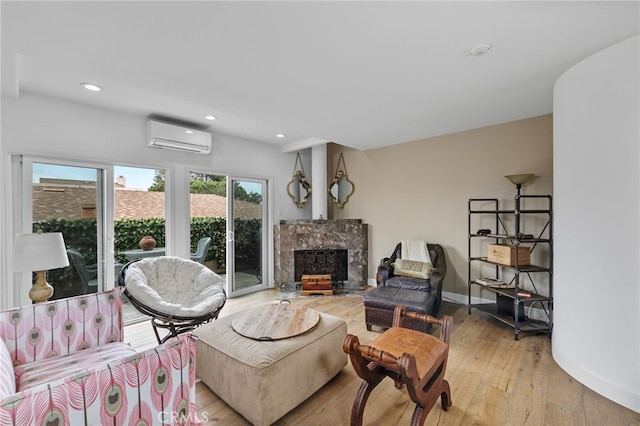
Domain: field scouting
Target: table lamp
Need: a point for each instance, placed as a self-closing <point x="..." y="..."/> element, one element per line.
<point x="39" y="252"/>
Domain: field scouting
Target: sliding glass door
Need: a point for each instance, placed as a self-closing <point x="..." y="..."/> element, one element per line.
<point x="227" y="219"/>
<point x="247" y="233"/>
<point x="89" y="203"/>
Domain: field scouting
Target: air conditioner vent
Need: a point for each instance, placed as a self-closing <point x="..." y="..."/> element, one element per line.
<point x="179" y="138"/>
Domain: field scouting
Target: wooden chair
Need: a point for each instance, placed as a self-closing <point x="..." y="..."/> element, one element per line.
<point x="407" y="356"/>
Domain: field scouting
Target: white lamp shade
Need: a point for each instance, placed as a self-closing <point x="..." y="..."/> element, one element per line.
<point x="39" y="252"/>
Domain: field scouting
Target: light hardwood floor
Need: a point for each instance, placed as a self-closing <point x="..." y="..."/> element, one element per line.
<point x="494" y="379"/>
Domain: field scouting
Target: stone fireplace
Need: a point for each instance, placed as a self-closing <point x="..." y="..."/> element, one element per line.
<point x="324" y="237"/>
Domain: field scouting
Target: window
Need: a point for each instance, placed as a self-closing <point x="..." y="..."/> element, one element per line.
<point x="139" y="211"/>
<point x="67" y="198"/>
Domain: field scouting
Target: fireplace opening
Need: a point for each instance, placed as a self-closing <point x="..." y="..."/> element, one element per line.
<point x="321" y="262"/>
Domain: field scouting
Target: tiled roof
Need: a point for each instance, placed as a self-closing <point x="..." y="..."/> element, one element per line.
<point x="78" y="201"/>
<point x="138" y="204"/>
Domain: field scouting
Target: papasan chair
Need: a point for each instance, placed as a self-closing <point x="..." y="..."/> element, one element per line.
<point x="178" y="294"/>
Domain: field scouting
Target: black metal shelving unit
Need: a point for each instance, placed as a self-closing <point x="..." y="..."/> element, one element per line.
<point x="520" y="296"/>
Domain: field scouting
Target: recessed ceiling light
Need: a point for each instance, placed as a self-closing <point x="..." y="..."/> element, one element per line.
<point x="91" y="86"/>
<point x="280" y="135"/>
<point x="188" y="131"/>
<point x="480" y="50"/>
<point x="210" y="117"/>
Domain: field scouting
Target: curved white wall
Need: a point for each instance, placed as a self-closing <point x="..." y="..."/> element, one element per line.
<point x="596" y="336"/>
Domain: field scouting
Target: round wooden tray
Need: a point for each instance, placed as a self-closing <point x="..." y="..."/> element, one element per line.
<point x="275" y="321"/>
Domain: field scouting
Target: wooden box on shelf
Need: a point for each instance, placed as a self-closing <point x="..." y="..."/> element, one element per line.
<point x="506" y="255"/>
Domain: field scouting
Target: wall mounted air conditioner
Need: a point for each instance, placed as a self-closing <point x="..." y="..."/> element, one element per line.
<point x="171" y="136"/>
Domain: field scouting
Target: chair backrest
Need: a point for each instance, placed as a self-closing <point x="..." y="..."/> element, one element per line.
<point x="86" y="273"/>
<point x="57" y="336"/>
<point x="202" y="249"/>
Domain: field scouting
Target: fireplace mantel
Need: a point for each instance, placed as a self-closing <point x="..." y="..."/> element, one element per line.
<point x="299" y="234"/>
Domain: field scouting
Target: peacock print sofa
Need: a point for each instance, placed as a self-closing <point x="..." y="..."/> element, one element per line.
<point x="64" y="362"/>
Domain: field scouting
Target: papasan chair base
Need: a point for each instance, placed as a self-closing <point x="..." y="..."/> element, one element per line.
<point x="174" y="324"/>
<point x="178" y="294"/>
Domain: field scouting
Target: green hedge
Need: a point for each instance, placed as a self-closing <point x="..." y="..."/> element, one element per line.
<point x="81" y="235"/>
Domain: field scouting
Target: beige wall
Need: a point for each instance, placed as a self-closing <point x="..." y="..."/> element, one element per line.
<point x="419" y="190"/>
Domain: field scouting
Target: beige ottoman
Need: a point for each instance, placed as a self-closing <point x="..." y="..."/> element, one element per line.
<point x="264" y="380"/>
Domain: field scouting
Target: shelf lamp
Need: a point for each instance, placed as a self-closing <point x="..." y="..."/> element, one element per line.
<point x="39" y="252"/>
<point x="519" y="180"/>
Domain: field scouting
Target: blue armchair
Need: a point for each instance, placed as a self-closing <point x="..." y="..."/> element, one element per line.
<point x="88" y="274"/>
<point x="201" y="251"/>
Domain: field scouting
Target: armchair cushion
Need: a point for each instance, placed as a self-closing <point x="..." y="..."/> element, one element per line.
<point x="412" y="268"/>
<point x="35" y="373"/>
<point x="409" y="283"/>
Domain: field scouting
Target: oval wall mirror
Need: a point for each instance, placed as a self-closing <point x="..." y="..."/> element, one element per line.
<point x="299" y="189"/>
<point x="341" y="189"/>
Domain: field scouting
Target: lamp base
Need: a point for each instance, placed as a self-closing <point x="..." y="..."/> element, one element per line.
<point x="41" y="290"/>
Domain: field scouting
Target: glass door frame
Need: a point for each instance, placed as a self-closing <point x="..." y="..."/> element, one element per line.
<point x="230" y="249"/>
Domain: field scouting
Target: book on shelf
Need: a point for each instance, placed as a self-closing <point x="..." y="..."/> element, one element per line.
<point x="494" y="283"/>
<point x="489" y="281"/>
<point x="503" y="286"/>
<point x="498" y="236"/>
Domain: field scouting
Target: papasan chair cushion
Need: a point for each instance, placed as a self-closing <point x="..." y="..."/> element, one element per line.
<point x="179" y="294"/>
<point x="175" y="286"/>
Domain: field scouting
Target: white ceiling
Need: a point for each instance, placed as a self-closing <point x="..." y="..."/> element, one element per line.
<point x="361" y="74"/>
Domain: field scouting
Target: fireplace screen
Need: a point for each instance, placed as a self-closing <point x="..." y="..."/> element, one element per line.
<point x="320" y="262"/>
